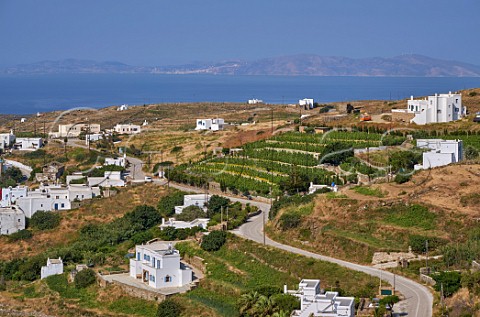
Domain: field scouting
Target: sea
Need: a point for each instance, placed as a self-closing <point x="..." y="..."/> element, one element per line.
<point x="29" y="94"/>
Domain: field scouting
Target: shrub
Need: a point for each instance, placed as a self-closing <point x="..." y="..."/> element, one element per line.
<point x="20" y="235"/>
<point x="470" y="152"/>
<point x="44" y="220"/>
<point x="450" y="280"/>
<point x="190" y="213"/>
<point x="417" y="242"/>
<point x="214" y="241"/>
<point x="290" y="220"/>
<point x="285" y="302"/>
<point x="215" y="205"/>
<point x="84" y="278"/>
<point x="168" y="308"/>
<point x="472" y="93"/>
<point x="143" y="217"/>
<point x="402" y="178"/>
<point x="166" y="205"/>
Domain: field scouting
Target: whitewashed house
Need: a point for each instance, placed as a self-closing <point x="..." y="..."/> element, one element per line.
<point x="435" y="109"/>
<point x="122" y="108"/>
<point x="50" y="198"/>
<point x="11" y="194"/>
<point x="28" y="144"/>
<point x="110" y="179"/>
<point x="441" y="152"/>
<point x="210" y="124"/>
<point x="158" y="265"/>
<point x="199" y="200"/>
<point x="73" y="130"/>
<point x="254" y="101"/>
<point x="12" y="219"/>
<point x="6" y="140"/>
<point x="177" y="224"/>
<point x="306" y="102"/>
<point x="127" y="128"/>
<point x="315" y="304"/>
<point x="119" y="161"/>
<point x="53" y="267"/>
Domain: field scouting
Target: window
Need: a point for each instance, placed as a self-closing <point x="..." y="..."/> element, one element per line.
<point x="168" y="279"/>
<point x="138" y="256"/>
<point x="158" y="264"/>
<point x="63" y="205"/>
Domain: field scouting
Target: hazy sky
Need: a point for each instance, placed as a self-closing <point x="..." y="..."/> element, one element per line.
<point x="158" y="32"/>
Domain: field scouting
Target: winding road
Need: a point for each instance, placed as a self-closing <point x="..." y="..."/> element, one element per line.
<point x="418" y="298"/>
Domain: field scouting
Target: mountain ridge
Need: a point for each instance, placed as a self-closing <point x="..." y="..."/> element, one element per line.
<point x="407" y="65"/>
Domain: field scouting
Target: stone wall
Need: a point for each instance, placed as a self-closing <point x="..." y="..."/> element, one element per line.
<point x="196" y="262"/>
<point x="427" y="279"/>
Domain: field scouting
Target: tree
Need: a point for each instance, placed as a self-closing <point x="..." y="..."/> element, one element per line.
<point x="168" y="308"/>
<point x="166" y="205"/>
<point x="44" y="220"/>
<point x="85" y="278"/>
<point x="191" y="213"/>
<point x="215" y="205"/>
<point x="214" y="241"/>
<point x="144" y="217"/>
<point x="450" y="281"/>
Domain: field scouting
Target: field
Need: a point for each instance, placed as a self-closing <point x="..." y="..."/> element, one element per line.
<point x="389" y="217"/>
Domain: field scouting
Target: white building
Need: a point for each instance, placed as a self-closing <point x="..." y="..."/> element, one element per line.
<point x="12" y="219"/>
<point x="254" y="101"/>
<point x="313" y="187"/>
<point x="93" y="137"/>
<point x="158" y="265"/>
<point x="9" y="195"/>
<point x="53" y="267"/>
<point x="435" y="109"/>
<point x="127" y="129"/>
<point x="210" y="124"/>
<point x="122" y="108"/>
<point x="306" y="102"/>
<point x="316" y="304"/>
<point x="119" y="161"/>
<point x="6" y="140"/>
<point x="177" y="224"/>
<point x="50" y="198"/>
<point x="28" y="144"/>
<point x="442" y="152"/>
<point x="110" y="179"/>
<point x="73" y="130"/>
<point x="199" y="200"/>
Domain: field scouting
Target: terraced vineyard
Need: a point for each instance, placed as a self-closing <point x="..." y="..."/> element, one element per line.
<point x="285" y="162"/>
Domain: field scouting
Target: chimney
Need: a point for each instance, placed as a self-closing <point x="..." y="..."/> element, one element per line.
<point x="163" y="221"/>
<point x="285" y="291"/>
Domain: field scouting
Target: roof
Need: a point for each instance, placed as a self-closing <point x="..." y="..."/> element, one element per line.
<point x="55" y="261"/>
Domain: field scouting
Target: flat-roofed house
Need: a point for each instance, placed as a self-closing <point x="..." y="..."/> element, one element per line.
<point x="158" y="265"/>
<point x="12" y="219"/>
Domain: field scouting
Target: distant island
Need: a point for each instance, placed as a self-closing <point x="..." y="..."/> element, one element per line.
<point x="410" y="65"/>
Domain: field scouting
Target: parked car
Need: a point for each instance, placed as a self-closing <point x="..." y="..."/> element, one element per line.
<point x="477" y="117"/>
<point x="148" y="179"/>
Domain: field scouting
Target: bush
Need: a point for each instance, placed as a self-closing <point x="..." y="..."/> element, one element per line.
<point x="168" y="308"/>
<point x="44" y="220"/>
<point x="214" y="241"/>
<point x="402" y="178"/>
<point x="85" y="278"/>
<point x="20" y="235"/>
<point x="143" y="217"/>
<point x="470" y="152"/>
<point x="290" y="220"/>
<point x="215" y="205"/>
<point x="285" y="302"/>
<point x="450" y="280"/>
<point x="191" y="213"/>
<point x="417" y="243"/>
<point x="166" y="205"/>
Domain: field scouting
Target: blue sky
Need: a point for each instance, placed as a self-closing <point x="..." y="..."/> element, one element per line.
<point x="158" y="32"/>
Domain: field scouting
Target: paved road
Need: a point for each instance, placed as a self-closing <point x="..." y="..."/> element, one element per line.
<point x="418" y="299"/>
<point x="134" y="169"/>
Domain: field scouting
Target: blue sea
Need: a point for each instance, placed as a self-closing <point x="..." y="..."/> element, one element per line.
<point x="25" y="94"/>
